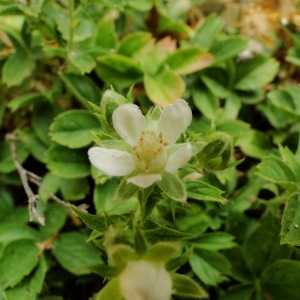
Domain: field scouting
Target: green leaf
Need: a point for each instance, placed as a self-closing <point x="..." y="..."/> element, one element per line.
<point x="205" y="101"/>
<point x="164" y="233"/>
<point x="187" y="287"/>
<point x="214" y="241"/>
<point x="31" y="285"/>
<point x="6" y="162"/>
<point x="56" y="216"/>
<point x="255" y="73"/>
<point x="104" y="201"/>
<point x="106" y="36"/>
<point x="25" y="100"/>
<point x="13" y="231"/>
<point x="275" y="170"/>
<point x="33" y="144"/>
<point x="74" y="189"/>
<point x="290" y="230"/>
<point x="133" y="43"/>
<point x="82" y="61"/>
<point x="164" y="88"/>
<point x="238" y="292"/>
<point x="99" y="222"/>
<point x="227" y="48"/>
<point x="110" y="291"/>
<point x="73" y="128"/>
<point x="74" y="253"/>
<point x="200" y="190"/>
<point x="51" y="182"/>
<point x="260" y="255"/>
<point x="208" y="31"/>
<point x="188" y="60"/>
<point x="281" y="280"/>
<point x="42" y="118"/>
<point x="254" y="143"/>
<point x="118" y="70"/>
<point x="6" y="203"/>
<point x="179" y="260"/>
<point x="173" y="187"/>
<point x="211" y="267"/>
<point x="68" y="163"/>
<point x="82" y="87"/>
<point x="104" y="271"/>
<point x="17" y="67"/>
<point x="18" y="260"/>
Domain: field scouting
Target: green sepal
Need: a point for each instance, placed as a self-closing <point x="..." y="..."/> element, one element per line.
<point x="110" y="291"/>
<point x="185" y="286"/>
<point x="120" y="254"/>
<point x="162" y="251"/>
<point x="173" y="187"/>
<point x="104" y="270"/>
<point x="217" y="153"/>
<point x="180" y="260"/>
<point x="109" y="102"/>
<point x="125" y="190"/>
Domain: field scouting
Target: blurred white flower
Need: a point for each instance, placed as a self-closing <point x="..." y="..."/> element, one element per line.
<point x="150" y="147"/>
<point x="145" y="280"/>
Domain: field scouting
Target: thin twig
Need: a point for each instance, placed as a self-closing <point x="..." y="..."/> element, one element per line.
<point x="32" y="198"/>
<point x="27" y="176"/>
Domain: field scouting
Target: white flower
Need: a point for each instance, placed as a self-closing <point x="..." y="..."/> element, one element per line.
<point x="145" y="280"/>
<point x="150" y="147"/>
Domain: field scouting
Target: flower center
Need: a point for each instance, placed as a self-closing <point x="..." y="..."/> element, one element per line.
<point x="150" y="151"/>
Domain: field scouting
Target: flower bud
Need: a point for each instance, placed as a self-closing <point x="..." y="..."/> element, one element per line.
<point x="216" y="154"/>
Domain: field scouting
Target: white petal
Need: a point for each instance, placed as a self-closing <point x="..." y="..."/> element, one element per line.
<point x="128" y="121"/>
<point x="112" y="162"/>
<point x="179" y="158"/>
<point x="145" y="280"/>
<point x="144" y="180"/>
<point x="174" y="120"/>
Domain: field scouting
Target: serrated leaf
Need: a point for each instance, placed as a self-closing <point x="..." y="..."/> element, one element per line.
<point x="74" y="253"/>
<point x="210" y="266"/>
<point x="185" y="286"/>
<point x="163" y="233"/>
<point x="214" y="241"/>
<point x="281" y="280"/>
<point x="31" y="285"/>
<point x="99" y="222"/>
<point x="260" y="255"/>
<point x="290" y="230"/>
<point x="82" y="61"/>
<point x="200" y="190"/>
<point x="18" y="260"/>
<point x="275" y="170"/>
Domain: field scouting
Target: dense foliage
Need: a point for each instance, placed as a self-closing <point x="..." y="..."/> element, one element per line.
<point x="68" y="65"/>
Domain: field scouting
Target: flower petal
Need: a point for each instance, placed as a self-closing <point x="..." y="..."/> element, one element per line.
<point x="179" y="158"/>
<point x="174" y="120"/>
<point x="128" y="121"/>
<point x="142" y="279"/>
<point x="144" y="180"/>
<point x="112" y="162"/>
